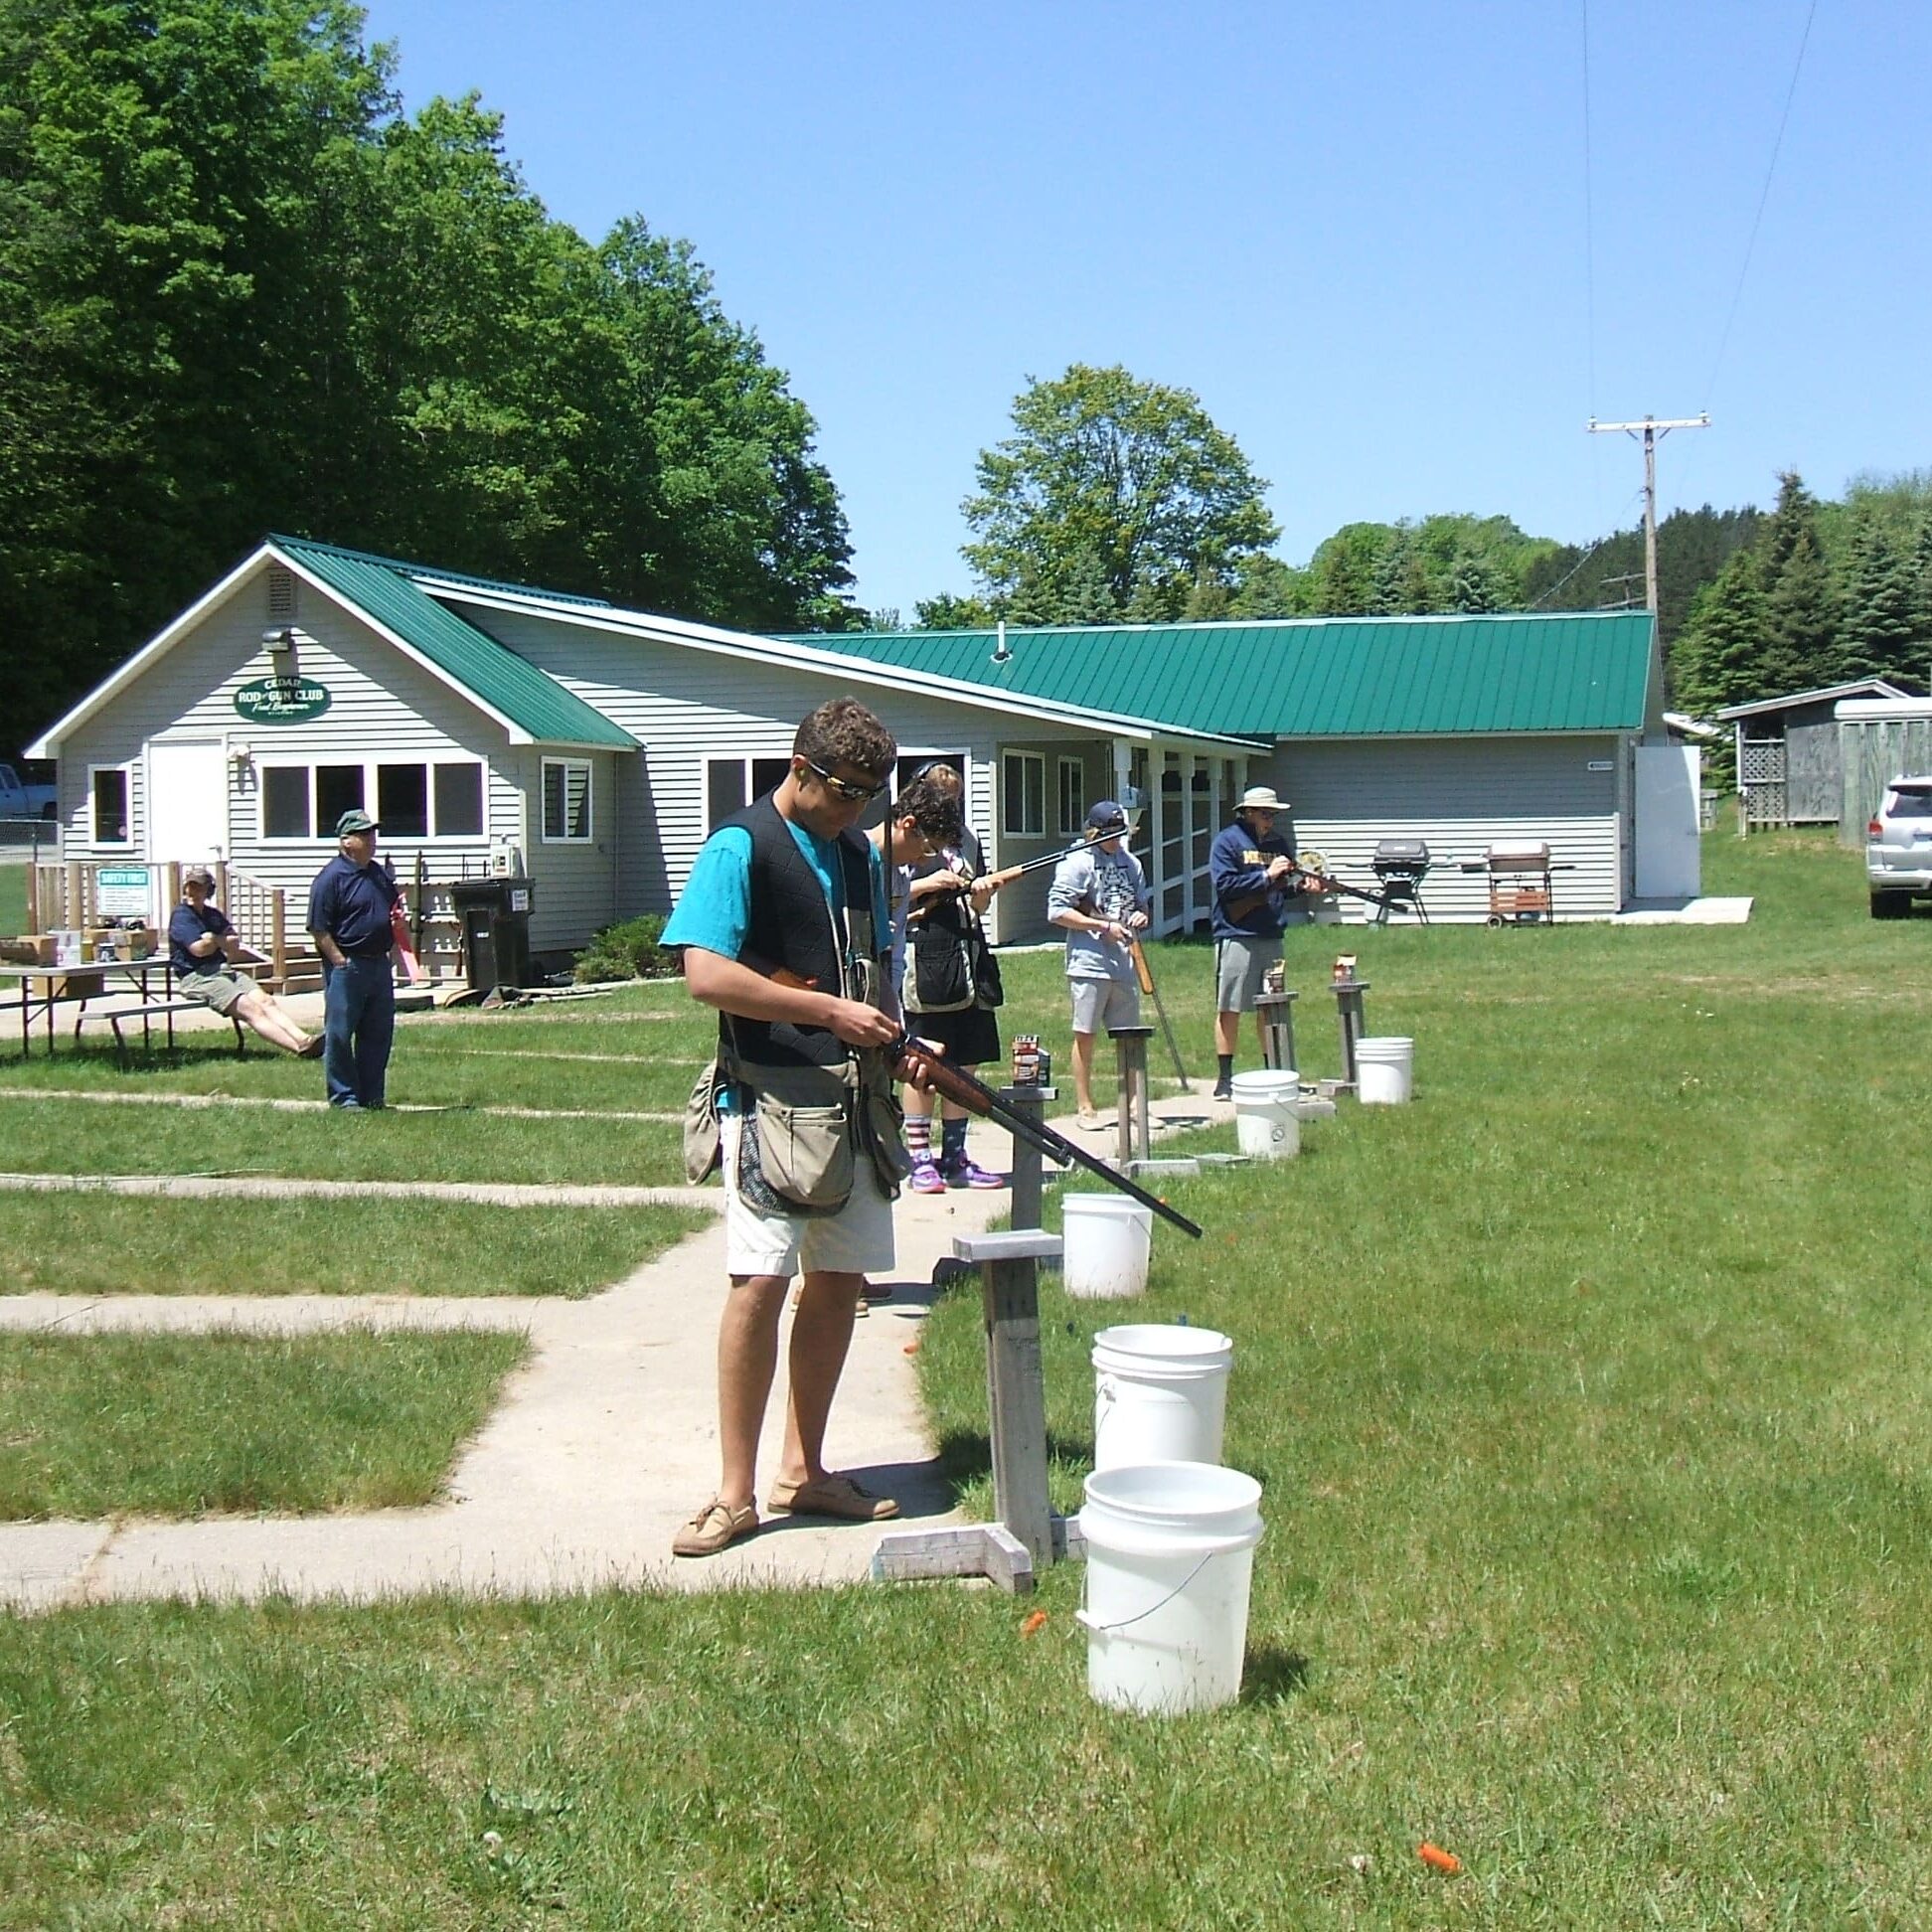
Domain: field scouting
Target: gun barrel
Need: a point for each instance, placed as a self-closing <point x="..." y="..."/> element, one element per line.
<point x="976" y="1097"/>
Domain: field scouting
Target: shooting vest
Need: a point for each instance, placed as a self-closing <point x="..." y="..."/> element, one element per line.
<point x="792" y="926"/>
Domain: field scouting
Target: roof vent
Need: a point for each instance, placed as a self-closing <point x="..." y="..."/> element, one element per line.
<point x="281" y="591"/>
<point x="1001" y="655"/>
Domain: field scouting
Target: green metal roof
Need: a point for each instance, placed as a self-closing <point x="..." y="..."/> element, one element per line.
<point x="512" y="685"/>
<point x="1295" y="677"/>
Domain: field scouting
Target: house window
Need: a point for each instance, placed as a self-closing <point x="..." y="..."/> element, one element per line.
<point x="285" y="802"/>
<point x="459" y="801"/>
<point x="109" y="787"/>
<point x="567" y="801"/>
<point x="402" y="800"/>
<point x="1073" y="796"/>
<point x="1024" y="793"/>
<point x="302" y="802"/>
<point x="337" y="789"/>
<point x="731" y="784"/>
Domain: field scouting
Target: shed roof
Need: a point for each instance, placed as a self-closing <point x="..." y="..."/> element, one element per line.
<point x="531" y="701"/>
<point x="1858" y="688"/>
<point x="1311" y="678"/>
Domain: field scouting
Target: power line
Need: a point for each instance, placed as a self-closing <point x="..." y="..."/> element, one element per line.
<point x="1589" y="257"/>
<point x="1611" y="538"/>
<point x="1797" y="67"/>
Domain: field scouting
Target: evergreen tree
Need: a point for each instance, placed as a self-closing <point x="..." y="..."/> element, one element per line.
<point x="1391" y="591"/>
<point x="1800" y="603"/>
<point x="1716" y="659"/>
<point x="1880" y="638"/>
<point x="1475" y="583"/>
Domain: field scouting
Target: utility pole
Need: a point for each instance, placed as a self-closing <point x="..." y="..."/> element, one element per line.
<point x="1650" y="431"/>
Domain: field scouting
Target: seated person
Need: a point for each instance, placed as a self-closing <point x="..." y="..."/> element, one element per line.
<point x="198" y="937"/>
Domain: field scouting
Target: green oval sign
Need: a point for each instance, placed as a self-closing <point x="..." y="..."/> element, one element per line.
<point x="282" y="700"/>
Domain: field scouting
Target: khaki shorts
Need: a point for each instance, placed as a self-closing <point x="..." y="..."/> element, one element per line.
<point x="1101" y="1003"/>
<point x="1241" y="966"/>
<point x="218" y="990"/>
<point x="858" y="1240"/>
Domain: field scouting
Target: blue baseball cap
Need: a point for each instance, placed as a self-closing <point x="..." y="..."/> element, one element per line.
<point x="1106" y="816"/>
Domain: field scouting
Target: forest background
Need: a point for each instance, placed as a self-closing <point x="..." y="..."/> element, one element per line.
<point x="242" y="290"/>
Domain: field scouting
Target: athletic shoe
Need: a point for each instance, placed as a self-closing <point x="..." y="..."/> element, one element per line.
<point x="1222" y="1091"/>
<point x="969" y="1174"/>
<point x="924" y="1178"/>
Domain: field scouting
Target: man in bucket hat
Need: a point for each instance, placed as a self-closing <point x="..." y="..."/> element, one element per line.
<point x="1252" y="872"/>
<point x="349" y="920"/>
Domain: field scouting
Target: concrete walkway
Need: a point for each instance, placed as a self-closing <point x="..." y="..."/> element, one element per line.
<point x="600" y="1446"/>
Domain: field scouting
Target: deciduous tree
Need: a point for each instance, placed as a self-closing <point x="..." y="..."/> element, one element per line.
<point x="1111" y="493"/>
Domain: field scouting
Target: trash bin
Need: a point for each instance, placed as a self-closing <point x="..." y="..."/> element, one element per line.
<point x="496" y="930"/>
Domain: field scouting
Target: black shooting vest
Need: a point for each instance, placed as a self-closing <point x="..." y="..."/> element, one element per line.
<point x="792" y="926"/>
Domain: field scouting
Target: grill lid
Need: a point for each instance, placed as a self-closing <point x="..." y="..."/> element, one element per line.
<point x="1401" y="854"/>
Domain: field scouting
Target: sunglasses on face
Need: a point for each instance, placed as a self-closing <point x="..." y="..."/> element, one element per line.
<point x="843" y="788"/>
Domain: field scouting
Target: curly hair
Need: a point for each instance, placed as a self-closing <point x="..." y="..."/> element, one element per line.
<point x="843" y="732"/>
<point x="932" y="806"/>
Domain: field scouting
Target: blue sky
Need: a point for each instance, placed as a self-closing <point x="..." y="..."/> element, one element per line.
<point x="1357" y="231"/>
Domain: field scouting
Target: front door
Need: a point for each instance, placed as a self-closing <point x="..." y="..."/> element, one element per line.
<point x="186" y="801"/>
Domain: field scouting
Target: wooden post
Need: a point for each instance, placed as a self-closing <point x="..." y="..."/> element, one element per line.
<point x="33" y="895"/>
<point x="1026" y="1189"/>
<point x="1348" y="1004"/>
<point x="1026" y="1537"/>
<point x="172" y="874"/>
<point x="1136" y="1129"/>
<point x="1276" y="1013"/>
<point x="278" y="936"/>
<point x="71" y="911"/>
<point x="220" y="871"/>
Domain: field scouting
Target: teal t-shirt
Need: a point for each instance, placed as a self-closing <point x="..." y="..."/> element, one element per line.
<point x="715" y="908"/>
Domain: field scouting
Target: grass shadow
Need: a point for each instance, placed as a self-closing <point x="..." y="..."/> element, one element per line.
<point x="1271" y="1675"/>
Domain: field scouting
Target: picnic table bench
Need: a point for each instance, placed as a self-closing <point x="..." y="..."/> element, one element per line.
<point x="147" y="1013"/>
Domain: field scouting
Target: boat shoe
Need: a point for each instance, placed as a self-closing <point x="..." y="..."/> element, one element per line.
<point x="831" y="1496"/>
<point x="716" y="1526"/>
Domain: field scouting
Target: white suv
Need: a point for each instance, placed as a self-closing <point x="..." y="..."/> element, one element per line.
<point x="1898" y="849"/>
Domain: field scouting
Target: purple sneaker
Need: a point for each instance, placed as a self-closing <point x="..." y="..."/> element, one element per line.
<point x="924" y="1178"/>
<point x="969" y="1174"/>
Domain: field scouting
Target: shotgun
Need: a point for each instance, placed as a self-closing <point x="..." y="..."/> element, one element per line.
<point x="969" y="1092"/>
<point x="1144" y="973"/>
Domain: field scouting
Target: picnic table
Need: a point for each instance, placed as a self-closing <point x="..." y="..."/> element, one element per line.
<point x="39" y="990"/>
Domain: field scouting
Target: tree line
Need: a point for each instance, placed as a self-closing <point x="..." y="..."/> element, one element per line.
<point x="242" y="290"/>
<point x="1119" y="501"/>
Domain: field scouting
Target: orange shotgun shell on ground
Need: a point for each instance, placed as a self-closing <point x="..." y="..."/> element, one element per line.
<point x="1038" y="1621"/>
<point x="1434" y="1854"/>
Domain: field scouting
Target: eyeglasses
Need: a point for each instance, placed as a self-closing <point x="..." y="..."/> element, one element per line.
<point x="843" y="788"/>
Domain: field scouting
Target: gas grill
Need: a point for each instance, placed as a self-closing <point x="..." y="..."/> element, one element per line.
<point x="1401" y="865"/>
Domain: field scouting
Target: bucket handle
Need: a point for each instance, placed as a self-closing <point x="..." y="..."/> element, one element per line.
<point x="1082" y="1617"/>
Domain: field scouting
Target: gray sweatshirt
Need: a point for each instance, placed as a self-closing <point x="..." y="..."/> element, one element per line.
<point x="1104" y="885"/>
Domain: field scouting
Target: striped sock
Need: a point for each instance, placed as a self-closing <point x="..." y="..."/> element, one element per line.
<point x="919" y="1138"/>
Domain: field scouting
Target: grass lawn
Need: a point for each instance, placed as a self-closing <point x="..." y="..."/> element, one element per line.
<point x="1589" y="1399"/>
<point x="139" y="1244"/>
<point x="185" y="1425"/>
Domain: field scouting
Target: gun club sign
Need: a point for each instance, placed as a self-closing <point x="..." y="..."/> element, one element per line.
<point x="281" y="701"/>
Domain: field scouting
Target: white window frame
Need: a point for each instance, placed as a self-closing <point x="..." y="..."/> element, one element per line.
<point x="567" y="765"/>
<point x="1070" y="824"/>
<point x="1038" y="759"/>
<point x="320" y="833"/>
<point x="127" y="800"/>
<point x="747" y="785"/>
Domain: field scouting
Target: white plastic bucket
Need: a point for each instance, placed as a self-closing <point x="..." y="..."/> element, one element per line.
<point x="1170" y="1557"/>
<point x="1106" y="1245"/>
<point x="1159" y="1394"/>
<point x="1384" y="1070"/>
<point x="1267" y="1123"/>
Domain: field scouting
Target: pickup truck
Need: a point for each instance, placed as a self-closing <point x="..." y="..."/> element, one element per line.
<point x="21" y="801"/>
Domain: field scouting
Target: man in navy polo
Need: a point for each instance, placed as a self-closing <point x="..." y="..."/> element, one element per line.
<point x="349" y="920"/>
